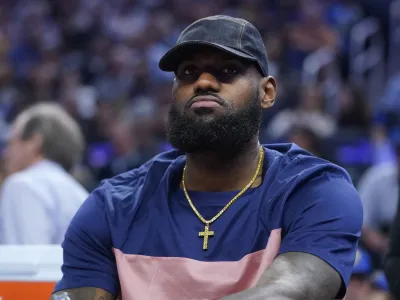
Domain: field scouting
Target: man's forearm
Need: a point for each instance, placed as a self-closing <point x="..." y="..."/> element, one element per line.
<point x="84" y="293"/>
<point x="294" y="276"/>
<point x="263" y="293"/>
<point x="280" y="290"/>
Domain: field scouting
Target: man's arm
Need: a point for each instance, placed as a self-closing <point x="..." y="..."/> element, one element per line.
<point x="89" y="266"/>
<point x="84" y="293"/>
<point x="321" y="225"/>
<point x="295" y="276"/>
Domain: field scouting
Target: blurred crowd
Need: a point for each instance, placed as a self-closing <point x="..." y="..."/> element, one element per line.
<point x="99" y="60"/>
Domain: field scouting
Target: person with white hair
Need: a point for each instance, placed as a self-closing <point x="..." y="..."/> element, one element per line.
<point x="39" y="197"/>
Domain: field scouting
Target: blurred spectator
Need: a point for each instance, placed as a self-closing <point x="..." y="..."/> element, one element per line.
<point x="306" y="139"/>
<point x="379" y="191"/>
<point x="39" y="196"/>
<point x="310" y="32"/>
<point x="274" y="46"/>
<point x="388" y="114"/>
<point x="342" y="15"/>
<point x="131" y="140"/>
<point x="309" y="113"/>
<point x="380" y="289"/>
<point x="383" y="152"/>
<point x="360" y="286"/>
<point x="365" y="282"/>
<point x="354" y="112"/>
<point x="85" y="177"/>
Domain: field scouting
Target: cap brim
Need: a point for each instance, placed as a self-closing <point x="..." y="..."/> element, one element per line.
<point x="170" y="61"/>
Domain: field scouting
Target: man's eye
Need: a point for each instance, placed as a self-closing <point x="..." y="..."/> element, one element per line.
<point x="230" y="70"/>
<point x="189" y="71"/>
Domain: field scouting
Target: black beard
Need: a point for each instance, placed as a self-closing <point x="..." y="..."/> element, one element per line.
<point x="225" y="135"/>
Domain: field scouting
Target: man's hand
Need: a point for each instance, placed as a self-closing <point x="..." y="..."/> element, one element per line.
<point x="84" y="293"/>
<point x="295" y="276"/>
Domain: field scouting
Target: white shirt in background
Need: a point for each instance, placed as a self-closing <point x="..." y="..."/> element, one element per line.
<point x="38" y="203"/>
<point x="379" y="192"/>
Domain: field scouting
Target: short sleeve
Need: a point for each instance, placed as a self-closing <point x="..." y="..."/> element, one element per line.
<point x="324" y="218"/>
<point x="88" y="255"/>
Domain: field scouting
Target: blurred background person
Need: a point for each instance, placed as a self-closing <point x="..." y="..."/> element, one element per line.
<point x="360" y="286"/>
<point x="309" y="113"/>
<point x="306" y="139"/>
<point x="354" y="112"/>
<point x="379" y="191"/>
<point x="310" y="32"/>
<point x="380" y="288"/>
<point x="39" y="197"/>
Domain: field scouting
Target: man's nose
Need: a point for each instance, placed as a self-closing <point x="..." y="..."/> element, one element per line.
<point x="206" y="82"/>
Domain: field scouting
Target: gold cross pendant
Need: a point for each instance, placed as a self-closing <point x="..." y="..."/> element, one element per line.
<point x="205" y="234"/>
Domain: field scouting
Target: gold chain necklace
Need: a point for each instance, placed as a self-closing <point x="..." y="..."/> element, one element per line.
<point x="207" y="232"/>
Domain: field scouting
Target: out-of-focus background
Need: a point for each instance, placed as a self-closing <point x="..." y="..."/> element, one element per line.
<point x="335" y="61"/>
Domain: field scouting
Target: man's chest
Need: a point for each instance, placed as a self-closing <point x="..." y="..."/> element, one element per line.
<point x="178" y="277"/>
<point x="176" y="231"/>
<point x="163" y="256"/>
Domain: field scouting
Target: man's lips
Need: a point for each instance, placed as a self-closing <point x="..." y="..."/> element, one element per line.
<point x="205" y="101"/>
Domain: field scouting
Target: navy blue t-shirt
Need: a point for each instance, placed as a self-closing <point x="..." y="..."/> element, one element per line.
<point x="136" y="235"/>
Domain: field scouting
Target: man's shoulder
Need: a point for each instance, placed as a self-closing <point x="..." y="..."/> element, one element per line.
<point x="155" y="167"/>
<point x="290" y="160"/>
<point x="128" y="188"/>
<point x="301" y="181"/>
<point x="43" y="171"/>
<point x="18" y="180"/>
<point x="292" y="170"/>
<point x="43" y="176"/>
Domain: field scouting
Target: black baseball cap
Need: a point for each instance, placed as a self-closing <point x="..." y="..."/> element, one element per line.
<point x="232" y="35"/>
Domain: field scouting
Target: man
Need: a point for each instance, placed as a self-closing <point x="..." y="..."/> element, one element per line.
<point x="222" y="216"/>
<point x="39" y="197"/>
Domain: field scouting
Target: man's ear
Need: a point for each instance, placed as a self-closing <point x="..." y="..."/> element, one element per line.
<point x="268" y="92"/>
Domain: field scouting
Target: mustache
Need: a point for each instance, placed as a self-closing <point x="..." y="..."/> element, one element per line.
<point x="221" y="100"/>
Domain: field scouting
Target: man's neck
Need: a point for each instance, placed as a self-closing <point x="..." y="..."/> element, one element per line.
<point x="210" y="172"/>
<point x="35" y="161"/>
